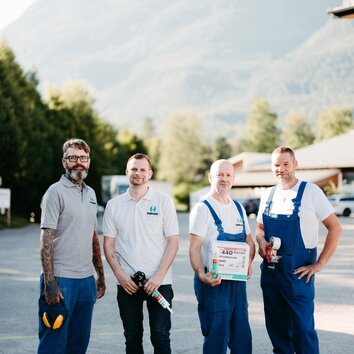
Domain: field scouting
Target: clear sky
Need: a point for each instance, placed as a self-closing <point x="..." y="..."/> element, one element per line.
<point x="10" y="10"/>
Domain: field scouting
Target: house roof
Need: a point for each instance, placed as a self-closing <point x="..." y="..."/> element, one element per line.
<point x="266" y="178"/>
<point x="336" y="152"/>
<point x="317" y="164"/>
<point x="249" y="160"/>
<point x="333" y="153"/>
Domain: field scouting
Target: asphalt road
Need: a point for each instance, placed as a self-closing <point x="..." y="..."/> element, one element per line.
<point x="20" y="268"/>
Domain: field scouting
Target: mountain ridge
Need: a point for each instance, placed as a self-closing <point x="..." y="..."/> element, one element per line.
<point x="160" y="58"/>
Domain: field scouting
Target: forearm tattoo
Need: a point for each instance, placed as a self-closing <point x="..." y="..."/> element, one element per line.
<point x="51" y="288"/>
<point x="96" y="255"/>
<point x="47" y="253"/>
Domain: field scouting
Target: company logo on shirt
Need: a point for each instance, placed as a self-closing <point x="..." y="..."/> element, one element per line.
<point x="152" y="210"/>
<point x="92" y="200"/>
<point x="239" y="222"/>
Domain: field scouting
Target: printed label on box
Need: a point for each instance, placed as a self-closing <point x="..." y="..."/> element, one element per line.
<point x="232" y="259"/>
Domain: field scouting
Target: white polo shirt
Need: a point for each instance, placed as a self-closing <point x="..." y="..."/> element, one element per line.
<point x="141" y="229"/>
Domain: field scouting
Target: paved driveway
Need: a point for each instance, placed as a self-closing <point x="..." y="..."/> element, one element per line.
<point x="20" y="268"/>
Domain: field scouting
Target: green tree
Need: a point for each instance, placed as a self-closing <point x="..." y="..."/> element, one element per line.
<point x="182" y="150"/>
<point x="73" y="115"/>
<point x="297" y="131"/>
<point x="130" y="144"/>
<point x="334" y="122"/>
<point x="222" y="149"/>
<point x="148" y="129"/>
<point x="25" y="135"/>
<point x="33" y="131"/>
<point x="152" y="142"/>
<point x="261" y="133"/>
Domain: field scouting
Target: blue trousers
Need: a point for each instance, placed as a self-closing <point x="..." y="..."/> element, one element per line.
<point x="289" y="306"/>
<point x="131" y="313"/>
<point x="74" y="335"/>
<point x="223" y="315"/>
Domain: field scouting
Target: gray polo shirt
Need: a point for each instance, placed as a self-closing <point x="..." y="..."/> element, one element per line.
<point x="72" y="212"/>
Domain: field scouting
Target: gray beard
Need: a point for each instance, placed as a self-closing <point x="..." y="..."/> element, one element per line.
<point x="76" y="176"/>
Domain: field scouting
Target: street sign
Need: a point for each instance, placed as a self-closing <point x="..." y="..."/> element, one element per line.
<point x="5" y="197"/>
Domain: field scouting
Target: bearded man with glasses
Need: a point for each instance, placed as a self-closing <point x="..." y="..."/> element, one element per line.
<point x="70" y="251"/>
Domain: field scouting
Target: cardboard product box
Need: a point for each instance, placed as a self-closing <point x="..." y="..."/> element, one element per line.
<point x="230" y="259"/>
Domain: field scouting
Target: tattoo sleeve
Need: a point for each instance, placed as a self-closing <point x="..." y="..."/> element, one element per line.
<point x="96" y="255"/>
<point x="47" y="252"/>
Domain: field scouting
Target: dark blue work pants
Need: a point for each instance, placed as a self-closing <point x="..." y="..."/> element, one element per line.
<point x="74" y="335"/>
<point x="223" y="315"/>
<point x="289" y="305"/>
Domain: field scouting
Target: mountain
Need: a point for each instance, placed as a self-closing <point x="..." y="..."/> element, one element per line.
<point x="318" y="75"/>
<point x="156" y="58"/>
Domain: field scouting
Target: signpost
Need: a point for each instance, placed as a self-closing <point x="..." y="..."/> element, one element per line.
<point x="5" y="202"/>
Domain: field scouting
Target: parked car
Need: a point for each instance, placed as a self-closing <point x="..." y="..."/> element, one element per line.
<point x="343" y="204"/>
<point x="251" y="205"/>
<point x="100" y="210"/>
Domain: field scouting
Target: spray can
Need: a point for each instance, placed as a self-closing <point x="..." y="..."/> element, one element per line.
<point x="215" y="263"/>
<point x="161" y="300"/>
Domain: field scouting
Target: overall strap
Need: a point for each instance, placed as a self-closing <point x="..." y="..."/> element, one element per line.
<point x="238" y="206"/>
<point x="269" y="201"/>
<point x="215" y="217"/>
<point x="297" y="200"/>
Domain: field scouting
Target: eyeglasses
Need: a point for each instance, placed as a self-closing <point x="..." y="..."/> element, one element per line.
<point x="74" y="158"/>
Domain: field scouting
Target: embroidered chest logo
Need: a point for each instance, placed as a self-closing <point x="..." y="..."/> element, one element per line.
<point x="239" y="222"/>
<point x="152" y="210"/>
<point x="92" y="200"/>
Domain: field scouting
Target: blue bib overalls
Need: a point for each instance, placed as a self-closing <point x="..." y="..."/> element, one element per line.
<point x="223" y="309"/>
<point x="289" y="301"/>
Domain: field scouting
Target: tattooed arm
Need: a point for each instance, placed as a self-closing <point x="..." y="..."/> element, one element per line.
<point x="97" y="263"/>
<point x="51" y="289"/>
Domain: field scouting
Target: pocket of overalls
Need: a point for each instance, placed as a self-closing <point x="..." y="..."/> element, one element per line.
<point x="299" y="286"/>
<point x="285" y="269"/>
<point x="209" y="298"/>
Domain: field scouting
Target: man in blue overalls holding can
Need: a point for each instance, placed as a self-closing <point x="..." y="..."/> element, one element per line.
<point x="222" y="303"/>
<point x="290" y="213"/>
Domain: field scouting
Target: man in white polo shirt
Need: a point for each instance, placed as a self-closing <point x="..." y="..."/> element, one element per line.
<point x="142" y="226"/>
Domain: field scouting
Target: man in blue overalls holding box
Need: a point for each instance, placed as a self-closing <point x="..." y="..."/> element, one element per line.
<point x="291" y="212"/>
<point x="222" y="304"/>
